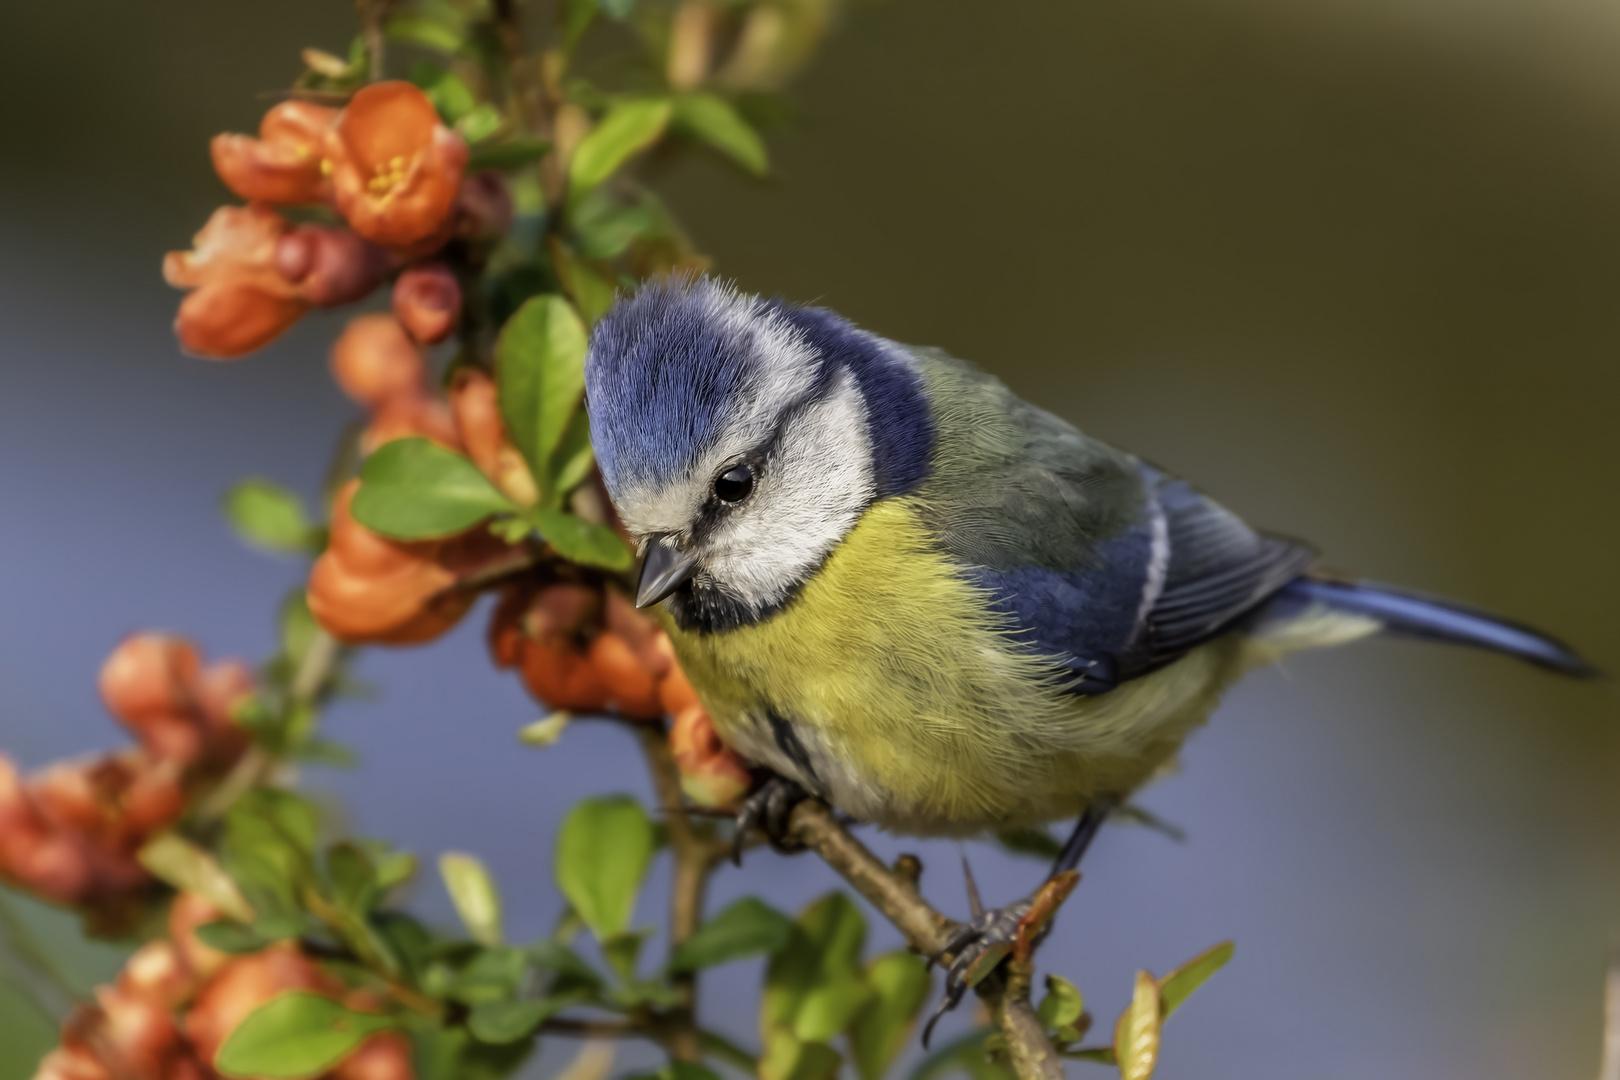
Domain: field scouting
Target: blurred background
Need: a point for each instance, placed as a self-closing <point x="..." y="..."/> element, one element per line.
<point x="1352" y="267"/>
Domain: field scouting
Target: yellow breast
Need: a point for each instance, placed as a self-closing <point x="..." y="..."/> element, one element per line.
<point x="914" y="706"/>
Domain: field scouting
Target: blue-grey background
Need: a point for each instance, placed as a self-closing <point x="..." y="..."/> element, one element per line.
<point x="1353" y="267"/>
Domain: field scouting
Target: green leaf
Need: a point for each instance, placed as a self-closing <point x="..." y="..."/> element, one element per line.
<point x="814" y="985"/>
<point x="628" y="128"/>
<point x="540" y="368"/>
<point x="489" y="974"/>
<point x="616" y="9"/>
<point x="749" y="927"/>
<point x="268" y="516"/>
<point x="545" y="731"/>
<point x="573" y="458"/>
<point x="583" y="541"/>
<point x="899" y="983"/>
<point x="591" y="291"/>
<point x="475" y="895"/>
<point x="1062" y="1005"/>
<point x="712" y="119"/>
<point x="602" y="853"/>
<point x="603" y="227"/>
<point x="1179" y="985"/>
<point x="787" y="1057"/>
<point x="231" y="937"/>
<point x="622" y="951"/>
<point x="178" y="862"/>
<point x="299" y="629"/>
<point x="353" y="878"/>
<point x="510" y="154"/>
<point x="1136" y="1036"/>
<point x="505" y="1021"/>
<point x="426" y="32"/>
<point x="480" y="124"/>
<point x="448" y="93"/>
<point x="413" y="489"/>
<point x="295" y="1035"/>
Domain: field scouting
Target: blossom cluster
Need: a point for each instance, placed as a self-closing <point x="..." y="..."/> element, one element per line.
<point x="71" y="833"/>
<point x="177" y="999"/>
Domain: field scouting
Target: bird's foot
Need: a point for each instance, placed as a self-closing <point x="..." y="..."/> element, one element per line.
<point x="768" y="809"/>
<point x="991" y="936"/>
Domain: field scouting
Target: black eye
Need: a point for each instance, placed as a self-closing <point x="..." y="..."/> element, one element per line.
<point x="734" y="484"/>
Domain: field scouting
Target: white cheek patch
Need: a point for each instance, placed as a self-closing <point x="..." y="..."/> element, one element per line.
<point x="816" y="483"/>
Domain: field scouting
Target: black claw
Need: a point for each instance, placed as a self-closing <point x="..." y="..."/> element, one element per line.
<point x="952" y="998"/>
<point x="769" y="809"/>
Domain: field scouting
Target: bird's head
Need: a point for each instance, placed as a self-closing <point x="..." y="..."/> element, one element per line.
<point x="741" y="438"/>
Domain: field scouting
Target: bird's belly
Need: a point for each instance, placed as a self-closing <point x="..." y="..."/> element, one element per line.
<point x="891" y="687"/>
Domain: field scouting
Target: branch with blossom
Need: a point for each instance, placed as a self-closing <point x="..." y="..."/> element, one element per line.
<point x="493" y="194"/>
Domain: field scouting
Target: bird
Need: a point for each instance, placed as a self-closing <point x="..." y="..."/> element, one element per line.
<point x="905" y="591"/>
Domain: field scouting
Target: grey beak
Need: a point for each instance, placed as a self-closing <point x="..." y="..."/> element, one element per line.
<point x="663" y="571"/>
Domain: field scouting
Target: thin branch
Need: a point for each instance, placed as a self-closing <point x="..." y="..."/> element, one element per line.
<point x="693" y="862"/>
<point x="373" y="14"/>
<point x="1610" y="1069"/>
<point x="528" y="95"/>
<point x="896" y="896"/>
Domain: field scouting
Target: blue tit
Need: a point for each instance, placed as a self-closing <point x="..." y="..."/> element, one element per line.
<point x="924" y="600"/>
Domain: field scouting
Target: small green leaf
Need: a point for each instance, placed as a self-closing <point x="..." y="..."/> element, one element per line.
<point x="480" y="124"/>
<point x="475" y="895"/>
<point x="1062" y="1005"/>
<point x="426" y="32"/>
<point x="353" y="878"/>
<point x="448" y="93"/>
<point x="573" y="458"/>
<point x="749" y="927"/>
<point x="814" y="985"/>
<point x="616" y="9"/>
<point x="545" y="731"/>
<point x="602" y="853"/>
<point x="510" y="154"/>
<point x="505" y="1021"/>
<point x="295" y="1035"/>
<point x="622" y="951"/>
<point x="899" y="984"/>
<point x="603" y="227"/>
<point x="591" y="290"/>
<point x="712" y="119"/>
<point x="268" y="516"/>
<point x="582" y="541"/>
<point x="570" y="970"/>
<point x="788" y="1057"/>
<point x="1136" y="1036"/>
<point x="628" y="128"/>
<point x="540" y="368"/>
<point x="491" y="974"/>
<point x="231" y="937"/>
<point x="299" y="629"/>
<point x="178" y="862"/>
<point x="1179" y="985"/>
<point x="413" y="489"/>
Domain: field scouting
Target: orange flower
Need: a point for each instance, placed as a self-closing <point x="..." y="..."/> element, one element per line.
<point x="330" y="266"/>
<point x="245" y="983"/>
<point x="368" y="588"/>
<point x="156" y="686"/>
<point x="711" y="774"/>
<point x="396" y="169"/>
<point x="283" y="165"/>
<point x="427" y="300"/>
<point x="375" y="362"/>
<point x="240" y="302"/>
<point x="475" y="404"/>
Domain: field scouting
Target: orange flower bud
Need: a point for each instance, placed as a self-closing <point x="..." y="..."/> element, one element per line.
<point x="330" y="266"/>
<point x="483" y="207"/>
<point x="148" y="675"/>
<point x="72" y="1063"/>
<point x="240" y="302"/>
<point x="139" y="1034"/>
<point x="157" y="973"/>
<point x="375" y="362"/>
<point x="562" y="677"/>
<point x="675" y="693"/>
<point x="420" y="417"/>
<point x="186" y="913"/>
<point x="474" y="404"/>
<point x="631" y="690"/>
<point x="382" y="1057"/>
<point x="155" y="685"/>
<point x="711" y="774"/>
<point x="427" y="300"/>
<point x="396" y="169"/>
<point x="244" y="984"/>
<point x="639" y="632"/>
<point x="283" y="165"/>
<point x="367" y="588"/>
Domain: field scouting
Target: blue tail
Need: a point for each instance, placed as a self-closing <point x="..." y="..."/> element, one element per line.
<point x="1413" y="615"/>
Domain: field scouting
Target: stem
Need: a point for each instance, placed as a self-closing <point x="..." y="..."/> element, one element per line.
<point x="895" y="895"/>
<point x="1610" y="1069"/>
<point x="528" y="96"/>
<point x="373" y="13"/>
<point x="694" y="858"/>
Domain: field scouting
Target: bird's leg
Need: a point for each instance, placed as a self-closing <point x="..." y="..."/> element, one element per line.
<point x="768" y="809"/>
<point x="991" y="935"/>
